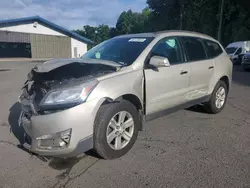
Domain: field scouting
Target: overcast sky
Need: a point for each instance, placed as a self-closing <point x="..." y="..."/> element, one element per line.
<point x="72" y="14"/>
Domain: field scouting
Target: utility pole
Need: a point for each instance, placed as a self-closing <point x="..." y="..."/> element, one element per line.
<point x="221" y="20"/>
<point x="181" y="13"/>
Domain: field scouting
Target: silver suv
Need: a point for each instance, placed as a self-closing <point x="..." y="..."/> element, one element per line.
<point x="101" y="101"/>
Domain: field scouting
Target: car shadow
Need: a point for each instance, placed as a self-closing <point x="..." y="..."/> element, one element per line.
<point x="68" y="163"/>
<point x="14" y="113"/>
<point x="198" y="109"/>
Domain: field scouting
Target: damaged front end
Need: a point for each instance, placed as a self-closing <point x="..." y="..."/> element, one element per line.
<point x="54" y="88"/>
<point x="75" y="76"/>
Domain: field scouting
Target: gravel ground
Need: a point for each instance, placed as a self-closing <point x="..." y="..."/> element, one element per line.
<point x="185" y="149"/>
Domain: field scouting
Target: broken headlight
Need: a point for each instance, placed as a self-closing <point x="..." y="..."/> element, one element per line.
<point x="68" y="96"/>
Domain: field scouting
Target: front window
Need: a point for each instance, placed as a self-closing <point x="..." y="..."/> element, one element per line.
<point x="168" y="48"/>
<point x="238" y="51"/>
<point x="231" y="50"/>
<point x="120" y="50"/>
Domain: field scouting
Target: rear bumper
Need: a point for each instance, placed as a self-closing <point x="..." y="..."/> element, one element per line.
<point x="80" y="119"/>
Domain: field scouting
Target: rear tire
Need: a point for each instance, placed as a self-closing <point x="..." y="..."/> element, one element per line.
<point x="218" y="98"/>
<point x="111" y="137"/>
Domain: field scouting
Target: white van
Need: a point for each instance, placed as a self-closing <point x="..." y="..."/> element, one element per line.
<point x="237" y="50"/>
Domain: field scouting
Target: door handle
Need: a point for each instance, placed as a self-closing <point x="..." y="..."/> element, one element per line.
<point x="211" y="67"/>
<point x="183" y="72"/>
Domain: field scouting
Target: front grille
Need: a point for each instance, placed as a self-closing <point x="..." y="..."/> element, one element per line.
<point x="39" y="94"/>
<point x="27" y="116"/>
<point x="25" y="108"/>
<point x="25" y="105"/>
<point x="28" y="107"/>
<point x="247" y="59"/>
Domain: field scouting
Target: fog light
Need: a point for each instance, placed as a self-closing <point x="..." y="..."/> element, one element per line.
<point x="55" y="141"/>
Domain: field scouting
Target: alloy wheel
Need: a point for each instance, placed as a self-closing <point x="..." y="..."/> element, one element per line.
<point x="220" y="97"/>
<point x="120" y="130"/>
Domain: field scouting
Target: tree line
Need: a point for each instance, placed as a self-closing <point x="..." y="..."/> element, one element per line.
<point x="226" y="20"/>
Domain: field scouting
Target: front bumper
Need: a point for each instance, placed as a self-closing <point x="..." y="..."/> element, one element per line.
<point x="245" y="65"/>
<point x="79" y="118"/>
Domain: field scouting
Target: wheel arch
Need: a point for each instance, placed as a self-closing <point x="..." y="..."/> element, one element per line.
<point x="132" y="98"/>
<point x="138" y="104"/>
<point x="226" y="80"/>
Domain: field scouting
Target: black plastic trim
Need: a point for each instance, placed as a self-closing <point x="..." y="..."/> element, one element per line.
<point x="177" y="108"/>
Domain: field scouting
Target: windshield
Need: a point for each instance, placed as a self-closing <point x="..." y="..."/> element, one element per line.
<point x="121" y="50"/>
<point x="231" y="50"/>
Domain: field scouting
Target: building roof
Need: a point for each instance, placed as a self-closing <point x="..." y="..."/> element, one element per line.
<point x="19" y="21"/>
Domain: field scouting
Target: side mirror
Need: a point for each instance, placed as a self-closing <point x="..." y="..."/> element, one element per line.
<point x="158" y="61"/>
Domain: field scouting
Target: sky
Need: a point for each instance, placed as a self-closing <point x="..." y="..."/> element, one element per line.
<point x="72" y="14"/>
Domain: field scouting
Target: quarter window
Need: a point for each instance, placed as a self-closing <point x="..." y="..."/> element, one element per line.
<point x="168" y="48"/>
<point x="213" y="49"/>
<point x="194" y="48"/>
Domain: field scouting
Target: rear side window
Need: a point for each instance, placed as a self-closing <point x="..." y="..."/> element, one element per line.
<point x="213" y="49"/>
<point x="194" y="48"/>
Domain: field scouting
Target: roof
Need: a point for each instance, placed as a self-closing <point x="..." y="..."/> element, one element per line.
<point x="184" y="32"/>
<point x="137" y="35"/>
<point x="159" y="33"/>
<point x="19" y="21"/>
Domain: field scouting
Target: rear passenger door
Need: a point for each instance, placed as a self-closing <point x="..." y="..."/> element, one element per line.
<point x="202" y="68"/>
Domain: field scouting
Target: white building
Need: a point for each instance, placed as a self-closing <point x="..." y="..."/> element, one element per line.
<point x="35" y="37"/>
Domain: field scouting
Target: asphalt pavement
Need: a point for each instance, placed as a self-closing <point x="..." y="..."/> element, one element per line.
<point x="188" y="148"/>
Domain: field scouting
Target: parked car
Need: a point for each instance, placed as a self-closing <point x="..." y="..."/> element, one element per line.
<point x="237" y="50"/>
<point x="246" y="61"/>
<point x="103" y="99"/>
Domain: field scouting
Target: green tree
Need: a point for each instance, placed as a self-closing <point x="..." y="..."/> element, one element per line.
<point x="203" y="16"/>
<point x="112" y="32"/>
<point x="96" y="34"/>
<point x="102" y="33"/>
<point x="193" y="15"/>
<point x="124" y="22"/>
<point x="236" y="22"/>
<point x="133" y="22"/>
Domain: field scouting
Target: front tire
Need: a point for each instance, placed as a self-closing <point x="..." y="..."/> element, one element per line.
<point x="218" y="98"/>
<point x="116" y="129"/>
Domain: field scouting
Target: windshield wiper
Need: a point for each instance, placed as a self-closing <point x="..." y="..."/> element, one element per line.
<point x="121" y="63"/>
<point x="104" y="62"/>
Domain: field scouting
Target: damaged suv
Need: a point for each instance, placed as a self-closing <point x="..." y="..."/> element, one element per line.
<point x="101" y="100"/>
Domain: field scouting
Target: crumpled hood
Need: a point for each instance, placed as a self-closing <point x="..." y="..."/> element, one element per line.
<point x="56" y="63"/>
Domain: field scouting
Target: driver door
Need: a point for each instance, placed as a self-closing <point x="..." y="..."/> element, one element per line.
<point x="166" y="87"/>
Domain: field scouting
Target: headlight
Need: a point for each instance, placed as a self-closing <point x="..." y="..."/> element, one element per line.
<point x="70" y="95"/>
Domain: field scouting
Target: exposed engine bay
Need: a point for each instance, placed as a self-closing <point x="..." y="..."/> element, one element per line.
<point x="40" y="83"/>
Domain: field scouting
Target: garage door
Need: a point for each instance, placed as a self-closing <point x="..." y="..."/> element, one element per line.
<point x="47" y="46"/>
<point x="14" y="49"/>
<point x="14" y="44"/>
